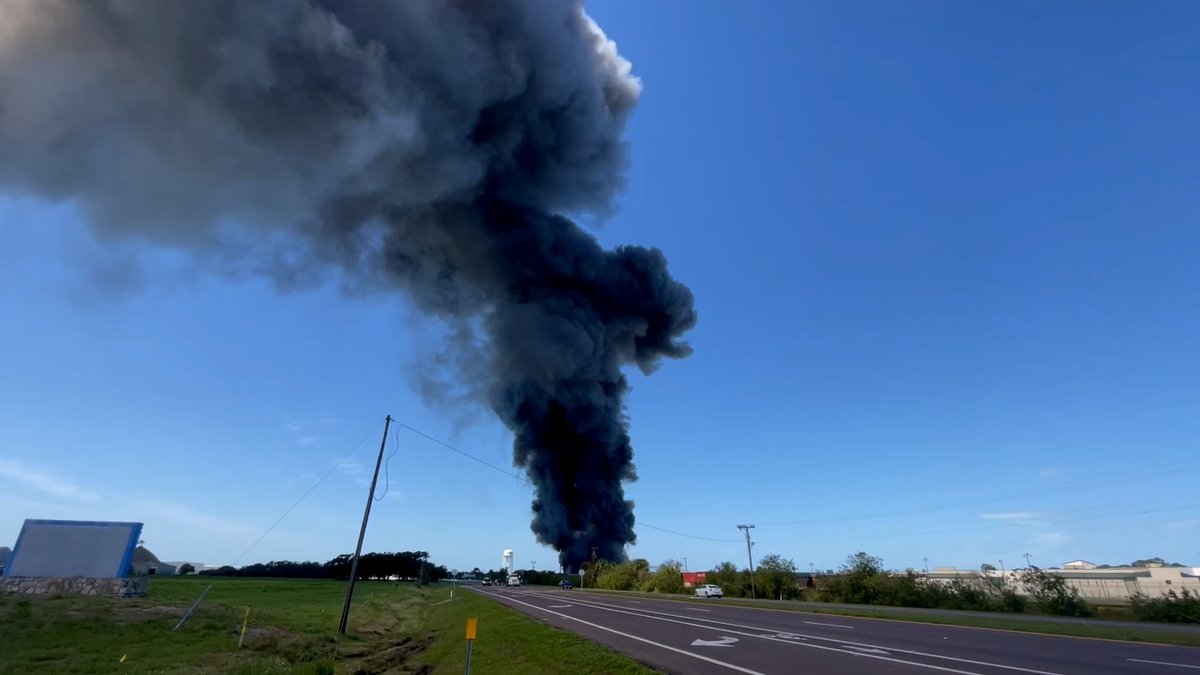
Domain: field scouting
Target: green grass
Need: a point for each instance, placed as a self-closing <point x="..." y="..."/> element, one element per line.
<point x="1096" y="629"/>
<point x="293" y="629"/>
<point x="510" y="642"/>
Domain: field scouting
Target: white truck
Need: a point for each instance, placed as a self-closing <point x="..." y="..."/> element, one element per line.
<point x="514" y="580"/>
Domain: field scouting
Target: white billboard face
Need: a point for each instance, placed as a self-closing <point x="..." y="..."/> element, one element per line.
<point x="70" y="548"/>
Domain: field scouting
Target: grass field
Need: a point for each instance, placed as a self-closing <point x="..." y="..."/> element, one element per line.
<point x="293" y="629"/>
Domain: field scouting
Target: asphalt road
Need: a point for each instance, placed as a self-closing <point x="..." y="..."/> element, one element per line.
<point x="678" y="637"/>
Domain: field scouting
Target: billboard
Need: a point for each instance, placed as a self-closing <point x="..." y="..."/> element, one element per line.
<point x="74" y="548"/>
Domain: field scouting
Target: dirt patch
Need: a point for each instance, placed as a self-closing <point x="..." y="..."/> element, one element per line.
<point x="146" y="612"/>
<point x="265" y="632"/>
<point x="393" y="657"/>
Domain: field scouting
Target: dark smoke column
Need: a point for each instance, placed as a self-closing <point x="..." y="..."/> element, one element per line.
<point x="570" y="321"/>
<point x="437" y="147"/>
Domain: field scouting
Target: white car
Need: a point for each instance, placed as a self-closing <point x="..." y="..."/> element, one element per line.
<point x="709" y="591"/>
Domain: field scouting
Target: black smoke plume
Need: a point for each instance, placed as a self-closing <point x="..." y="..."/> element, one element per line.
<point x="433" y="145"/>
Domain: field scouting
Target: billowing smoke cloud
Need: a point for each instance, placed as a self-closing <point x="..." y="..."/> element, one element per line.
<point x="429" y="145"/>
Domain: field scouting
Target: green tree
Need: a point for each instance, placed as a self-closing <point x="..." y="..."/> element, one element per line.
<point x="187" y="568"/>
<point x="861" y="580"/>
<point x="862" y="564"/>
<point x="1052" y="594"/>
<point x="777" y="577"/>
<point x="733" y="582"/>
<point x="626" y="576"/>
<point x="668" y="578"/>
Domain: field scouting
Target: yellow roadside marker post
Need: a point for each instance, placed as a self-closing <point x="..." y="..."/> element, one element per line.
<point x="472" y="624"/>
<point x="245" y="621"/>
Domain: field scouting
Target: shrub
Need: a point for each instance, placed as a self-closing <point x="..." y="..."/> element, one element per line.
<point x="1053" y="595"/>
<point x="1183" y="607"/>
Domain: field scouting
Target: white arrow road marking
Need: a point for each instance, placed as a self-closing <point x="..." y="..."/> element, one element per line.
<point x="677" y="650"/>
<point x="868" y="650"/>
<point x="731" y="627"/>
<point x="719" y="642"/>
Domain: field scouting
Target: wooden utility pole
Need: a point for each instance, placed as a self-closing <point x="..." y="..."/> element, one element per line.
<point x="749" y="556"/>
<point x="362" y="532"/>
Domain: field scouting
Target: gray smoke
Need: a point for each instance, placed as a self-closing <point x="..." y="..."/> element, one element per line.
<point x="432" y="145"/>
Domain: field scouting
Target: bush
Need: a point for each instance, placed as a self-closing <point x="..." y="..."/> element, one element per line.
<point x="1183" y="607"/>
<point x="668" y="578"/>
<point x="1053" y="595"/>
<point x="626" y="576"/>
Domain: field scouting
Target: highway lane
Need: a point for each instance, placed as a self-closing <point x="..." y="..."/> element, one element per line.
<point x="679" y="637"/>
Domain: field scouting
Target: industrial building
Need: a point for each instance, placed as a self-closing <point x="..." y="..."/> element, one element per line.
<point x="1092" y="581"/>
<point x="145" y="562"/>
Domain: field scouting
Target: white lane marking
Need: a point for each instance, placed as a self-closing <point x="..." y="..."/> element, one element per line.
<point x="699" y="609"/>
<point x="830" y="625"/>
<point x="559" y="606"/>
<point x="1164" y="663"/>
<point x="846" y="643"/>
<point x="772" y="638"/>
<point x="641" y="639"/>
<point x="868" y="650"/>
<point x="724" y="641"/>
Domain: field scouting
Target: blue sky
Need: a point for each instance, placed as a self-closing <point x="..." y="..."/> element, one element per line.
<point x="945" y="257"/>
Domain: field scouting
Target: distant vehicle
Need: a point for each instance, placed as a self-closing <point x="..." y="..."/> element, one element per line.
<point x="514" y="580"/>
<point x="709" y="591"/>
<point x="487" y="582"/>
<point x="565" y="584"/>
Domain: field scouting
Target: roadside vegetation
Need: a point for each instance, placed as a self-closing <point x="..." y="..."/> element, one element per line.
<point x="863" y="580"/>
<point x="1183" y="607"/>
<point x="394" y="627"/>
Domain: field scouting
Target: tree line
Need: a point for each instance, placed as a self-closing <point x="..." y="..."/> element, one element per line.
<point x="404" y="566"/>
<point x="863" y="580"/>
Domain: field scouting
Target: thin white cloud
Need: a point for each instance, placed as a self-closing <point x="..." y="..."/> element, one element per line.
<point x="1178" y="525"/>
<point x="355" y="471"/>
<point x="1047" y="473"/>
<point x="352" y="467"/>
<point x="1050" y="537"/>
<point x="190" y="519"/>
<point x="1015" y="516"/>
<point x="40" y="480"/>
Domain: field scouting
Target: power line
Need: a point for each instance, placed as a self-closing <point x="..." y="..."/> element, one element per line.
<point x="689" y="536"/>
<point x="320" y="480"/>
<point x="468" y="455"/>
<point x="386" y="476"/>
<point x="525" y="479"/>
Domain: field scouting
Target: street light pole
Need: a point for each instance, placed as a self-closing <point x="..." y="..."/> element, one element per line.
<point x="1028" y="565"/>
<point x="749" y="556"/>
<point x="926" y="561"/>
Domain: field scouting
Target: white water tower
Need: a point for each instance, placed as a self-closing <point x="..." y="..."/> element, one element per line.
<point x="508" y="565"/>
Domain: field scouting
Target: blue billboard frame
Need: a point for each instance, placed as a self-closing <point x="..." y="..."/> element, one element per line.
<point x="135" y="534"/>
